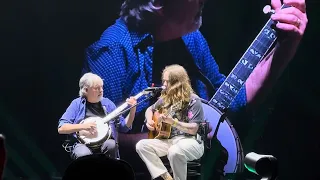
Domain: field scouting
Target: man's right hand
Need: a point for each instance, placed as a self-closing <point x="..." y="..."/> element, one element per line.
<point x="150" y="124"/>
<point x="91" y="127"/>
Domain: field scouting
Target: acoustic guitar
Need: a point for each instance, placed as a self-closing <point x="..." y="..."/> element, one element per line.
<point x="162" y="129"/>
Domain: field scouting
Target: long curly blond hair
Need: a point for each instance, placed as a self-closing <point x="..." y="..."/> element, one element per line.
<point x="179" y="88"/>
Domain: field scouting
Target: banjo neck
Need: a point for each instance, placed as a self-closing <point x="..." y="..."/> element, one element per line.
<point x="117" y="112"/>
<point x="232" y="85"/>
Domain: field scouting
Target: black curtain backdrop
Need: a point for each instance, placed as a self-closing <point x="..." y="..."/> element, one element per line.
<point x="42" y="50"/>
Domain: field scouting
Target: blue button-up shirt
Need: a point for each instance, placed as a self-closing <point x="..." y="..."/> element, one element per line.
<point x="123" y="58"/>
<point x="77" y="111"/>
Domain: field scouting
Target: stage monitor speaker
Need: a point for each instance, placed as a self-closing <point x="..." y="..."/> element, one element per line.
<point x="265" y="166"/>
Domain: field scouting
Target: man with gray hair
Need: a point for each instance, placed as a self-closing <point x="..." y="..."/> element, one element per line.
<point x="91" y="103"/>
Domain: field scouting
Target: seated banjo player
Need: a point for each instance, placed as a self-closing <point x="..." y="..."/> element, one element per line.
<point x="91" y="103"/>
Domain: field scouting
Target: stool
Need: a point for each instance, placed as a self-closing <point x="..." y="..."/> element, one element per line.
<point x="194" y="167"/>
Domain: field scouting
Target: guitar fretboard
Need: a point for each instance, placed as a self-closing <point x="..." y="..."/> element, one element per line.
<point x="240" y="73"/>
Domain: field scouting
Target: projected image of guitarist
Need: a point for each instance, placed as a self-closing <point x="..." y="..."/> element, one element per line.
<point x="173" y="123"/>
<point x="92" y="104"/>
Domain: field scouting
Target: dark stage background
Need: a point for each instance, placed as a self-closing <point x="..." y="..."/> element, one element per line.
<point x="42" y="49"/>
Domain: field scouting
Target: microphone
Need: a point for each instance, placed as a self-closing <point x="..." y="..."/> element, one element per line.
<point x="155" y="89"/>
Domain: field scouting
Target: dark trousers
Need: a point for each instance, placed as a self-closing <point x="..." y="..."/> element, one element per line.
<point x="108" y="147"/>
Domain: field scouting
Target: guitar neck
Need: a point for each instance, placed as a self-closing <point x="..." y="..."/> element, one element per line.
<point x="249" y="60"/>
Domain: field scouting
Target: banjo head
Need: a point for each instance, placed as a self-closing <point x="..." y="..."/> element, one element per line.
<point x="102" y="134"/>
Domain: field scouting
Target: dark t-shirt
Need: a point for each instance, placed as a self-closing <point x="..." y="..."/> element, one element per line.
<point x="94" y="109"/>
<point x="193" y="113"/>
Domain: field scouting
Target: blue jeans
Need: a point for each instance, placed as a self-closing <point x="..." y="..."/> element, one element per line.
<point x="108" y="147"/>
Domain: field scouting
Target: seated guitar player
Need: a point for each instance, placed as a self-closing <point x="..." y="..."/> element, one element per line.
<point x="179" y="112"/>
<point x="91" y="103"/>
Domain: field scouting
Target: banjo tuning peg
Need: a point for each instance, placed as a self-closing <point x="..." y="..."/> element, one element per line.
<point x="267" y="10"/>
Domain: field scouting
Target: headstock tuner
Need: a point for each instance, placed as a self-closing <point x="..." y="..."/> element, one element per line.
<point x="267" y="10"/>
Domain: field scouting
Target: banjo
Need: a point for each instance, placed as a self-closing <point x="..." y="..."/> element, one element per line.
<point x="103" y="129"/>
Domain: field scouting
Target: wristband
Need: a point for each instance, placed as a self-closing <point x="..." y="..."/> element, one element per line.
<point x="175" y="120"/>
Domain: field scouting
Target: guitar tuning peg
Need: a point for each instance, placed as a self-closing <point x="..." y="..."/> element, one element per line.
<point x="267" y="10"/>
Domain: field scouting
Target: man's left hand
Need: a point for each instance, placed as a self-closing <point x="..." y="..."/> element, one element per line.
<point x="292" y="19"/>
<point x="131" y="101"/>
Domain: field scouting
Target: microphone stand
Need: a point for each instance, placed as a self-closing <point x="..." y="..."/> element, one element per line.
<point x="117" y="119"/>
<point x="221" y="119"/>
